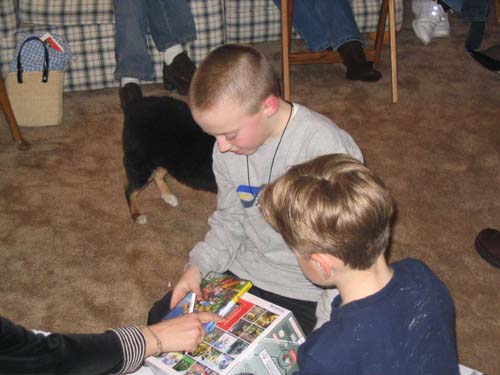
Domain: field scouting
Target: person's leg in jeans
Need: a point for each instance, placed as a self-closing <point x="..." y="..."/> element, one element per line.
<point x="327" y="24"/>
<point x="172" y="24"/>
<point x="324" y="23"/>
<point x="131" y="50"/>
<point x="133" y="62"/>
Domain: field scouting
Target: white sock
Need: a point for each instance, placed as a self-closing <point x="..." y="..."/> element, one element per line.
<point x="126" y="80"/>
<point x="170" y="53"/>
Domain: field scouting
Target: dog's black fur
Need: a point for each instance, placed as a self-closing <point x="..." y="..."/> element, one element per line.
<point x="160" y="132"/>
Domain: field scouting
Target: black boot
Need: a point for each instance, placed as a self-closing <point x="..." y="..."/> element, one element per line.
<point x="358" y="68"/>
<point x="129" y="93"/>
<point x="178" y="74"/>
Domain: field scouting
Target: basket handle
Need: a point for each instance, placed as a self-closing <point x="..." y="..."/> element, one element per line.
<point x="45" y="74"/>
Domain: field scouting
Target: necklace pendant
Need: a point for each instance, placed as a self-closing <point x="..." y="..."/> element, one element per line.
<point x="256" y="196"/>
<point x="257" y="200"/>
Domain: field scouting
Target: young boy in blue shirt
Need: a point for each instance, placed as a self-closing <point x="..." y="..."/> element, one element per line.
<point x="234" y="96"/>
<point x="388" y="319"/>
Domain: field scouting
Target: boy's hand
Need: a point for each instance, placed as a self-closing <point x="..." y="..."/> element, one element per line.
<point x="189" y="282"/>
<point x="182" y="333"/>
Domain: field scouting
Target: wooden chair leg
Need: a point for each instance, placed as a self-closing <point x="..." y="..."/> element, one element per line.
<point x="21" y="144"/>
<point x="379" y="40"/>
<point x="393" y="48"/>
<point x="285" y="46"/>
<point x="388" y="6"/>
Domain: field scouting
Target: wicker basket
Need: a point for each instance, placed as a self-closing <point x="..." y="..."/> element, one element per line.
<point x="36" y="97"/>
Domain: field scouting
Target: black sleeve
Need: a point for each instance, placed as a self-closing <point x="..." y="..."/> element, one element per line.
<point x="111" y="352"/>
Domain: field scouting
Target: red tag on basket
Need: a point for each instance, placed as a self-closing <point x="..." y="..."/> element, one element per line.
<point x="49" y="39"/>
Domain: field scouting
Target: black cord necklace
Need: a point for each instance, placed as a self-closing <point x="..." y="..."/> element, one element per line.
<point x="256" y="196"/>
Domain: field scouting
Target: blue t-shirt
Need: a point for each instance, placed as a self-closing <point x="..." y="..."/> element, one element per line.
<point x="407" y="328"/>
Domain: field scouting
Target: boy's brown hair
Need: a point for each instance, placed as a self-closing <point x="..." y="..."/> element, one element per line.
<point x="235" y="72"/>
<point x="332" y="204"/>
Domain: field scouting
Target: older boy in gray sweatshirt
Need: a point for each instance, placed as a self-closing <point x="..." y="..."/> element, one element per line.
<point x="234" y="97"/>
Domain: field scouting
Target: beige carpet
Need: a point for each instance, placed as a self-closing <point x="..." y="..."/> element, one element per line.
<point x="71" y="259"/>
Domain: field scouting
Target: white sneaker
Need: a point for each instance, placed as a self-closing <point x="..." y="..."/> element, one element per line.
<point x="430" y="15"/>
<point x="442" y="29"/>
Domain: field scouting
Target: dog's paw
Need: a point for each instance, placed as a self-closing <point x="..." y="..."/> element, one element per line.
<point x="141" y="219"/>
<point x="170" y="199"/>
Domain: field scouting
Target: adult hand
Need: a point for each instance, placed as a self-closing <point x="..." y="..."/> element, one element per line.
<point x="189" y="282"/>
<point x="183" y="333"/>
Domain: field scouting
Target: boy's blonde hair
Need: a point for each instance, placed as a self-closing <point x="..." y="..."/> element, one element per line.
<point x="332" y="204"/>
<point x="235" y="72"/>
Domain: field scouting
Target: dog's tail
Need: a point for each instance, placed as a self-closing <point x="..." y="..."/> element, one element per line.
<point x="129" y="93"/>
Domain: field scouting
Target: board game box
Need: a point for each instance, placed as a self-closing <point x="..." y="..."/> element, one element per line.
<point x="256" y="337"/>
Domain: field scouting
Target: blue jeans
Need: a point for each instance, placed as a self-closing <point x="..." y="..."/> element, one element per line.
<point x="475" y="12"/>
<point x="470" y="10"/>
<point x="325" y="23"/>
<point x="169" y="22"/>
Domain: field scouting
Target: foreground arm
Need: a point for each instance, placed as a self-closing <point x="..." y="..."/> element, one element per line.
<point x="115" y="351"/>
<point x="22" y="351"/>
<point x="183" y="333"/>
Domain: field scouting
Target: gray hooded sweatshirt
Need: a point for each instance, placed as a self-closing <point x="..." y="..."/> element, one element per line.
<point x="240" y="239"/>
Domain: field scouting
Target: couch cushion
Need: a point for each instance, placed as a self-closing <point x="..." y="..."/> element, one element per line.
<point x="93" y="45"/>
<point x="66" y="12"/>
<point x="210" y="33"/>
<point x="249" y="21"/>
<point x="8" y="26"/>
<point x="93" y="62"/>
<point x="8" y="21"/>
<point x="366" y="13"/>
<point x="7" y="52"/>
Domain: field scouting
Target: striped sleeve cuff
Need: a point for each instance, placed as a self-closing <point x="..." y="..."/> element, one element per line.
<point x="133" y="346"/>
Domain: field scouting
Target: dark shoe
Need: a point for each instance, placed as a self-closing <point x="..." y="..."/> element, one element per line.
<point x="358" y="68"/>
<point x="129" y="93"/>
<point x="179" y="73"/>
<point x="364" y="73"/>
<point x="487" y="245"/>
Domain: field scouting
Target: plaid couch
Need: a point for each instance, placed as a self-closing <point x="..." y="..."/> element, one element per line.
<point x="88" y="25"/>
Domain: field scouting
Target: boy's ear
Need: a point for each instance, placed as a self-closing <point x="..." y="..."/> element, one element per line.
<point x="325" y="262"/>
<point x="270" y="105"/>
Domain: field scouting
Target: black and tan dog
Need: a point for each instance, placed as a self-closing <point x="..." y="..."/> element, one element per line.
<point x="161" y="139"/>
